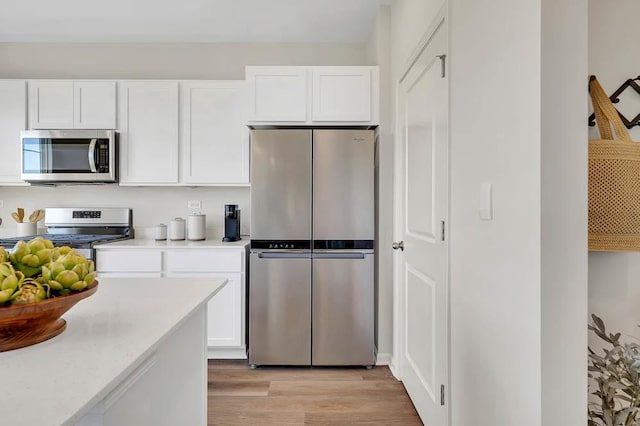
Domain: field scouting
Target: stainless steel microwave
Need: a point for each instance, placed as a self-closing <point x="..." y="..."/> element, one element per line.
<point x="68" y="156"/>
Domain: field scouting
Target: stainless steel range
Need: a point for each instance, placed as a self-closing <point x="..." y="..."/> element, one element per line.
<point x="82" y="228"/>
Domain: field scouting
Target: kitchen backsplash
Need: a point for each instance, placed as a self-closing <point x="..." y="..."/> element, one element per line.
<point x="151" y="205"/>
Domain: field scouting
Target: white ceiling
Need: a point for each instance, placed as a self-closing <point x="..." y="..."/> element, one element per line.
<point x="187" y="20"/>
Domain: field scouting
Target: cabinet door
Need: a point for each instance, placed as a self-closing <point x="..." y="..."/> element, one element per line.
<point x="341" y="94"/>
<point x="51" y="104"/>
<point x="225" y="313"/>
<point x="215" y="138"/>
<point x="95" y="104"/>
<point x="277" y="93"/>
<point x="149" y="134"/>
<point x="128" y="261"/>
<point x="13" y="110"/>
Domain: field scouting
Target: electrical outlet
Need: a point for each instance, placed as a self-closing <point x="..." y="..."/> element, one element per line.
<point x="1" y="204"/>
<point x="194" y="204"/>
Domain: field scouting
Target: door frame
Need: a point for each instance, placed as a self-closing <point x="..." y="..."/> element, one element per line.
<point x="399" y="326"/>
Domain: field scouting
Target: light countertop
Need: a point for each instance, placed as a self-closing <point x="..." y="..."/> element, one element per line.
<point x="153" y="244"/>
<point x="108" y="336"/>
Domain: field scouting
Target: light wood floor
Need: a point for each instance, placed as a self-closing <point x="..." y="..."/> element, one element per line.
<point x="267" y="396"/>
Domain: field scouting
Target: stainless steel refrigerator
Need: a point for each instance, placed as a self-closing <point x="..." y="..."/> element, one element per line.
<point x="311" y="286"/>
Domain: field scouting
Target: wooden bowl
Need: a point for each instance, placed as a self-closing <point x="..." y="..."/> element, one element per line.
<point x="26" y="325"/>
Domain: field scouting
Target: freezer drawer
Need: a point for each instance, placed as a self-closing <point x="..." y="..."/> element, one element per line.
<point x="280" y="309"/>
<point x="343" y="309"/>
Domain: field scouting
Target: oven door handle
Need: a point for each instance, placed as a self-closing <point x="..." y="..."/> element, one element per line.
<point x="92" y="155"/>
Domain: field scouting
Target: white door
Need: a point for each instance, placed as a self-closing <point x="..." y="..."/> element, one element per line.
<point x="422" y="207"/>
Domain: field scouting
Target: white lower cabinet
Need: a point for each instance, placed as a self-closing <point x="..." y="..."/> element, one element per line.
<point x="226" y="310"/>
<point x="164" y="390"/>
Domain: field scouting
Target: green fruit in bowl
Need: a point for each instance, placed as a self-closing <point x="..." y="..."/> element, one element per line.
<point x="29" y="258"/>
<point x="69" y="272"/>
<point x="36" y="270"/>
<point x="10" y="281"/>
<point x="29" y="292"/>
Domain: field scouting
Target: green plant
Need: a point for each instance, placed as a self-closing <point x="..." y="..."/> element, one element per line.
<point x="617" y="375"/>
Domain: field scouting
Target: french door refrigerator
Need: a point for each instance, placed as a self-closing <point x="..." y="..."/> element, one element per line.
<point x="311" y="285"/>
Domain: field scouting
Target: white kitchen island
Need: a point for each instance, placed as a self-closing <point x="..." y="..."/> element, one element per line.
<point x="134" y="353"/>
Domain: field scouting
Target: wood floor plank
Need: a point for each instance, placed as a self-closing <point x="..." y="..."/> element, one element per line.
<point x="228" y="364"/>
<point x="239" y="395"/>
<point x="251" y="418"/>
<point x="342" y="388"/>
<point x="370" y="419"/>
<point x="309" y="403"/>
<point x="238" y="388"/>
<point x="269" y="373"/>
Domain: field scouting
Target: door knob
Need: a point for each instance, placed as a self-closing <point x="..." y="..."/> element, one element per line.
<point x="398" y="245"/>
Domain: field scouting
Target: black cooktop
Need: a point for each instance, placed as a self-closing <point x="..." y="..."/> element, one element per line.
<point x="72" y="240"/>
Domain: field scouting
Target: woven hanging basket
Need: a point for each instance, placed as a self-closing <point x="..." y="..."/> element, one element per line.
<point x="614" y="180"/>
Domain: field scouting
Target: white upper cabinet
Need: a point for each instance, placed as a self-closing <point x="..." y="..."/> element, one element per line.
<point x="341" y="94"/>
<point x="51" y="104"/>
<point x="215" y="138"/>
<point x="67" y="104"/>
<point x="95" y="104"/>
<point x="13" y="119"/>
<point x="149" y="132"/>
<point x="277" y="93"/>
<point x="323" y="95"/>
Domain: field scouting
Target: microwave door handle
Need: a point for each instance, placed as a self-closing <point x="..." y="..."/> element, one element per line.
<point x="92" y="155"/>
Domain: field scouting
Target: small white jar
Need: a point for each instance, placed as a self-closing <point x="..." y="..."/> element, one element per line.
<point x="196" y="225"/>
<point x="161" y="232"/>
<point x="176" y="229"/>
<point x="27" y="229"/>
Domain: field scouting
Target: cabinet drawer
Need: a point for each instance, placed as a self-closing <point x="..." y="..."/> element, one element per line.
<point x="203" y="260"/>
<point x="129" y="261"/>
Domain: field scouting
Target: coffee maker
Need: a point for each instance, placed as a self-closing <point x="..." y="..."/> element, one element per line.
<point x="231" y="223"/>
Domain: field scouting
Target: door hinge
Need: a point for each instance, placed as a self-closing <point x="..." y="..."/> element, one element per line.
<point x="443" y="60"/>
<point x="441" y="394"/>
<point x="442" y="228"/>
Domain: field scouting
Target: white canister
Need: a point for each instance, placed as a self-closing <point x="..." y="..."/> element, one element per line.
<point x="176" y="229"/>
<point x="27" y="229"/>
<point x="161" y="232"/>
<point x="196" y="224"/>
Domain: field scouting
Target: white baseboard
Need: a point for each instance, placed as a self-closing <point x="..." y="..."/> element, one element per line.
<point x="383" y="359"/>
<point x="227" y="353"/>
<point x="394" y="370"/>
<point x="387" y="359"/>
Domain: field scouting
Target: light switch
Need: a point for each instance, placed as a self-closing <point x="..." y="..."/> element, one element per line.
<point x="486" y="201"/>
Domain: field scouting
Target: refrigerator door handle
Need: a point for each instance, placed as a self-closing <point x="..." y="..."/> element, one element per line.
<point x="283" y="255"/>
<point x="339" y="255"/>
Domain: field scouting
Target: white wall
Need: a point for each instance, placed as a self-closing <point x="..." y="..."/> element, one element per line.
<point x="495" y="265"/>
<point x="152" y="61"/>
<point x="379" y="53"/>
<point x="151" y="206"/>
<point x="515" y="278"/>
<point x="614" y="278"/>
<point x="165" y="60"/>
<point x="564" y="291"/>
